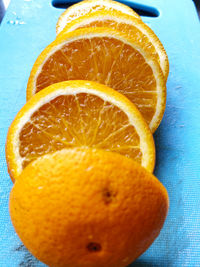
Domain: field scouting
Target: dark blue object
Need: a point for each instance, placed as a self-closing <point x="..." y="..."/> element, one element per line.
<point x="28" y="27"/>
<point x="2" y="10"/>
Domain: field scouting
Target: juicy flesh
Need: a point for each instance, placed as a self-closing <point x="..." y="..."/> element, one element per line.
<point x="81" y="120"/>
<point x="106" y="60"/>
<point x="114" y="23"/>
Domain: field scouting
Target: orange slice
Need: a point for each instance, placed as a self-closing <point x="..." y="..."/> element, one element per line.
<point x="88" y="7"/>
<point x="78" y="114"/>
<point x="106" y="56"/>
<point x="138" y="31"/>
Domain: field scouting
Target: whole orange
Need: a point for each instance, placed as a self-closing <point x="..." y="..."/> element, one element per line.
<point x="86" y="207"/>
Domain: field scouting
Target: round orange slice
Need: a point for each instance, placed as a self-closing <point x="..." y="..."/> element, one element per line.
<point x="109" y="57"/>
<point x="88" y="7"/>
<point x="78" y="114"/>
<point x="138" y="31"/>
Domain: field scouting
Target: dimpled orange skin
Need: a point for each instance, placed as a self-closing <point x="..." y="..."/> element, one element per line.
<point x="86" y="208"/>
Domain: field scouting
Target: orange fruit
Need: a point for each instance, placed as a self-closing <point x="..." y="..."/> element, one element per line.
<point x="78" y="114"/>
<point x="87" y="208"/>
<point x="88" y="7"/>
<point x="136" y="29"/>
<point x="109" y="57"/>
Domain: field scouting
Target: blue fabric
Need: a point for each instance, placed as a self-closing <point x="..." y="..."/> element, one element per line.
<point x="27" y="28"/>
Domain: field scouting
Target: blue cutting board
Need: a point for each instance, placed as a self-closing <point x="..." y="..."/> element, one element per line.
<point x="28" y="27"/>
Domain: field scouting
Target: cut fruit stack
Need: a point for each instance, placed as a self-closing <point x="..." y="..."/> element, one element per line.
<point x="97" y="91"/>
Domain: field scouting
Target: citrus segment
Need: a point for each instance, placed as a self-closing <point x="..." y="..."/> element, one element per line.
<point x="88" y="7"/>
<point x="106" y="56"/>
<point x="138" y="31"/>
<point x="78" y="114"/>
<point x="87" y="208"/>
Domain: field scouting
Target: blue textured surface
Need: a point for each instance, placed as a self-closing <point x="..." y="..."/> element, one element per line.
<point x="29" y="25"/>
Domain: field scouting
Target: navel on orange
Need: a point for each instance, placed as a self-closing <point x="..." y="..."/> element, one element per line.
<point x="109" y="57"/>
<point x="138" y="31"/>
<point x="78" y="114"/>
<point x="87" y="208"/>
<point x="88" y="7"/>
